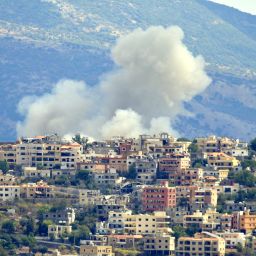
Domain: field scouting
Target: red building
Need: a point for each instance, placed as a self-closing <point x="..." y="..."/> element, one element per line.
<point x="158" y="197"/>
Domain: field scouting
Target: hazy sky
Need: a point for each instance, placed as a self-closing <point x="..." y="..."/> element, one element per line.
<point x="244" y="5"/>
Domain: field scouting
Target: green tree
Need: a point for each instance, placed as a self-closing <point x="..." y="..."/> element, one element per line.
<point x="3" y="252"/>
<point x="245" y="178"/>
<point x="193" y="148"/>
<point x="178" y="231"/>
<point x="132" y="174"/>
<point x="4" y="166"/>
<point x="253" y="144"/>
<point x="248" y="163"/>
<point x="9" y="226"/>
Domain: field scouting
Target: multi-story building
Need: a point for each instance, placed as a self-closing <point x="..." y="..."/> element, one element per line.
<point x="158" y="197"/>
<point x="146" y="170"/>
<point x="139" y="224"/>
<point x="170" y="165"/>
<point x="71" y="155"/>
<point x="118" y="163"/>
<point x="9" y="192"/>
<point x="202" y="244"/>
<point x="8" y="153"/>
<point x="43" y="151"/>
<point x="109" y="177"/>
<point x="247" y="221"/>
<point x="232" y="239"/>
<point x="37" y="190"/>
<point x="190" y="176"/>
<point x="159" y="244"/>
<point x="89" y="197"/>
<point x="222" y="161"/>
<point x="203" y="198"/>
<point x="61" y="217"/>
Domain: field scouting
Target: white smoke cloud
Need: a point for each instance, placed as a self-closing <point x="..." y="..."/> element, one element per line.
<point x="155" y="75"/>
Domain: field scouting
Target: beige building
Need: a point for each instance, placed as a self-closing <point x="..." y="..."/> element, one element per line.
<point x="71" y="155"/>
<point x="37" y="190"/>
<point x="222" y="161"/>
<point x="8" y="153"/>
<point x="202" y="244"/>
<point x="8" y="179"/>
<point x="33" y="172"/>
<point x="159" y="244"/>
<point x="139" y="224"/>
<point x="9" y="192"/>
<point x="96" y="250"/>
<point x="57" y="231"/>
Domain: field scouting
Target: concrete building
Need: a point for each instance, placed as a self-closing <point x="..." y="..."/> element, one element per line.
<point x="222" y="161"/>
<point x="202" y="244"/>
<point x="247" y="221"/>
<point x="139" y="224"/>
<point x="57" y="231"/>
<point x="158" y="197"/>
<point x="61" y="217"/>
<point x="96" y="250"/>
<point x="145" y="170"/>
<point x="9" y="192"/>
<point x="33" y="172"/>
<point x="203" y="198"/>
<point x="8" y="153"/>
<point x="159" y="244"/>
<point x="232" y="239"/>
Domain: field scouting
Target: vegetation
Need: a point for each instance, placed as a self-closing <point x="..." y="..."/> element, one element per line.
<point x="244" y="177"/>
<point x="4" y="166"/>
<point x="253" y="144"/>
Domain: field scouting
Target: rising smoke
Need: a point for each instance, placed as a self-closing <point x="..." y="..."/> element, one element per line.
<point x="155" y="75"/>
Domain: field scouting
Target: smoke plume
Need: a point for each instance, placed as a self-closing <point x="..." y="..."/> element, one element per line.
<point x="155" y="74"/>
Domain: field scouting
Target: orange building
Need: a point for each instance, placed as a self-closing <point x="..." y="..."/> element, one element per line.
<point x="247" y="222"/>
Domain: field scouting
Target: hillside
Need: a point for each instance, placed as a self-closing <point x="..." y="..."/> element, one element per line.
<point x="44" y="41"/>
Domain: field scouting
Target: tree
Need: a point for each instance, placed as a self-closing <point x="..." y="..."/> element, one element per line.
<point x="253" y="144"/>
<point x="4" y="166"/>
<point x="178" y="231"/>
<point x="131" y="174"/>
<point x="245" y="178"/>
<point x="193" y="148"/>
<point x="249" y="163"/>
<point x="9" y="226"/>
<point x="3" y="252"/>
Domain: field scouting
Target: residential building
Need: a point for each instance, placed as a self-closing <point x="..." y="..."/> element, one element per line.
<point x="33" y="172"/>
<point x="96" y="250"/>
<point x="139" y="224"/>
<point x="158" y="197"/>
<point x="202" y="244"/>
<point x="61" y="217"/>
<point x="222" y="161"/>
<point x="9" y="192"/>
<point x="145" y="170"/>
<point x="159" y="244"/>
<point x="247" y="221"/>
<point x="57" y="231"/>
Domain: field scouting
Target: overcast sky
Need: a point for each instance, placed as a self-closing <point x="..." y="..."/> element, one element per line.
<point x="243" y="5"/>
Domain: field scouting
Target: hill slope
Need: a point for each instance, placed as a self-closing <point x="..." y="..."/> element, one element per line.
<point x="44" y="41"/>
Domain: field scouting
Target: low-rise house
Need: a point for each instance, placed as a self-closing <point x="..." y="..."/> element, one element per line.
<point x="89" y="197"/>
<point x="96" y="250"/>
<point x="125" y="241"/>
<point x="33" y="172"/>
<point x="58" y="231"/>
